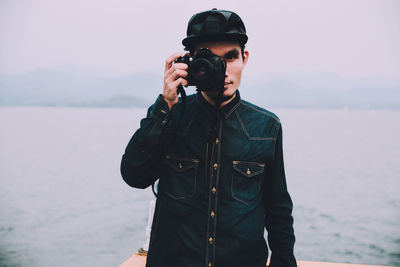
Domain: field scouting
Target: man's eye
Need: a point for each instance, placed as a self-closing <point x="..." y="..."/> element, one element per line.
<point x="231" y="55"/>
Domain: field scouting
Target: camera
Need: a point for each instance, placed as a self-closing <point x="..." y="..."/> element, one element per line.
<point x="205" y="70"/>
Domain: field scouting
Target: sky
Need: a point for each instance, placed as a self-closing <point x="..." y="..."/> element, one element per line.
<point x="350" y="38"/>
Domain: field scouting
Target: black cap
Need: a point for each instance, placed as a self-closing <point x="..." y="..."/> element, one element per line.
<point x="215" y="25"/>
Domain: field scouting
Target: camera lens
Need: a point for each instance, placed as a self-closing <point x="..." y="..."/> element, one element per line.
<point x="201" y="69"/>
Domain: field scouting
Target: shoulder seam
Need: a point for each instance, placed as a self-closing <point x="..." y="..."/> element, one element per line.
<point x="261" y="111"/>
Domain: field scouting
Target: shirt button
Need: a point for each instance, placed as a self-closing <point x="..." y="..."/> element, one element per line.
<point x="209" y="264"/>
<point x="214" y="190"/>
<point x="180" y="165"/>
<point x="215" y="166"/>
<point x="212" y="214"/>
<point x="217" y="141"/>
<point x="210" y="240"/>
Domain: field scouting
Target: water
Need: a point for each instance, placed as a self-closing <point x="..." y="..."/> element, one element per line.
<point x="63" y="202"/>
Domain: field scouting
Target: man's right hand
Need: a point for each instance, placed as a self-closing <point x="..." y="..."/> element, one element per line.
<point x="174" y="75"/>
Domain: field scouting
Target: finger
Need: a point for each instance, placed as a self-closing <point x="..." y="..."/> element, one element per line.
<point x="182" y="66"/>
<point x="176" y="67"/>
<point x="178" y="73"/>
<point x="168" y="62"/>
<point x="178" y="82"/>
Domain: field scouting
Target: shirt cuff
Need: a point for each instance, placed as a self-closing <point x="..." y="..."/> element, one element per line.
<point x="160" y="108"/>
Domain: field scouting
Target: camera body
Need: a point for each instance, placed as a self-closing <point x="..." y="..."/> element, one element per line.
<point x="206" y="71"/>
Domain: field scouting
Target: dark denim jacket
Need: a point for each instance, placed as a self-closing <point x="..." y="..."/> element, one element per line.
<point x="214" y="198"/>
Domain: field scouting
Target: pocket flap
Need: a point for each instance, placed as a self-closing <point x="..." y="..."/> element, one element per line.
<point x="248" y="169"/>
<point x="181" y="164"/>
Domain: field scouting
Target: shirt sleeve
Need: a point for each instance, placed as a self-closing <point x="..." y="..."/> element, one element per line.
<point x="278" y="210"/>
<point x="143" y="154"/>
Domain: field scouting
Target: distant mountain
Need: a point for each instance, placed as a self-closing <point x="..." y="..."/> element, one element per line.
<point x="60" y="87"/>
<point x="322" y="90"/>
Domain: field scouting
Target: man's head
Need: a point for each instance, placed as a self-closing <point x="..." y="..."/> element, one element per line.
<point x="224" y="34"/>
<point x="235" y="63"/>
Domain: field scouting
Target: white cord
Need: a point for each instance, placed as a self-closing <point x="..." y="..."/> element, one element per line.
<point x="149" y="223"/>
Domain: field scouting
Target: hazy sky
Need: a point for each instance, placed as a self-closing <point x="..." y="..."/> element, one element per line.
<point x="355" y="38"/>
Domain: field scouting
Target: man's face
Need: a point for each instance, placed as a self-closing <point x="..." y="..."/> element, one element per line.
<point x="235" y="63"/>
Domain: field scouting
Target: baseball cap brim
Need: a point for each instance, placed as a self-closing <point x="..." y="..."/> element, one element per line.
<point x="191" y="41"/>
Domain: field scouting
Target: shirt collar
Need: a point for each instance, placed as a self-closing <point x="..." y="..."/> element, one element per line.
<point x="226" y="110"/>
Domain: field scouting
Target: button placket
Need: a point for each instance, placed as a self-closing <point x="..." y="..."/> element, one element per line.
<point x="212" y="214"/>
<point x="212" y="209"/>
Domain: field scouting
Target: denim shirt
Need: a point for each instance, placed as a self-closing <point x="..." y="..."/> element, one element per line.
<point x="214" y="196"/>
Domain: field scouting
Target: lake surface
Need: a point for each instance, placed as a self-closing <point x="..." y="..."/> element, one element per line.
<point x="63" y="202"/>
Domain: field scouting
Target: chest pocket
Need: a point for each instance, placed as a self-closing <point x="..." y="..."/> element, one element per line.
<point x="246" y="180"/>
<point x="181" y="179"/>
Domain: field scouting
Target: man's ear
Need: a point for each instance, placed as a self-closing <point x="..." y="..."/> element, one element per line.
<point x="245" y="56"/>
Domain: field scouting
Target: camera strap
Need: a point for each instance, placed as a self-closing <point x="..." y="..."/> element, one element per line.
<point x="182" y="92"/>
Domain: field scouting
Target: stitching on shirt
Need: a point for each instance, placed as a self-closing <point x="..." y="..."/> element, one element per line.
<point x="261" y="111"/>
<point x="247" y="134"/>
<point x="233" y="109"/>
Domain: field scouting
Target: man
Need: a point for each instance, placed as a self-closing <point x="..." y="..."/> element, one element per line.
<point x="219" y="163"/>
